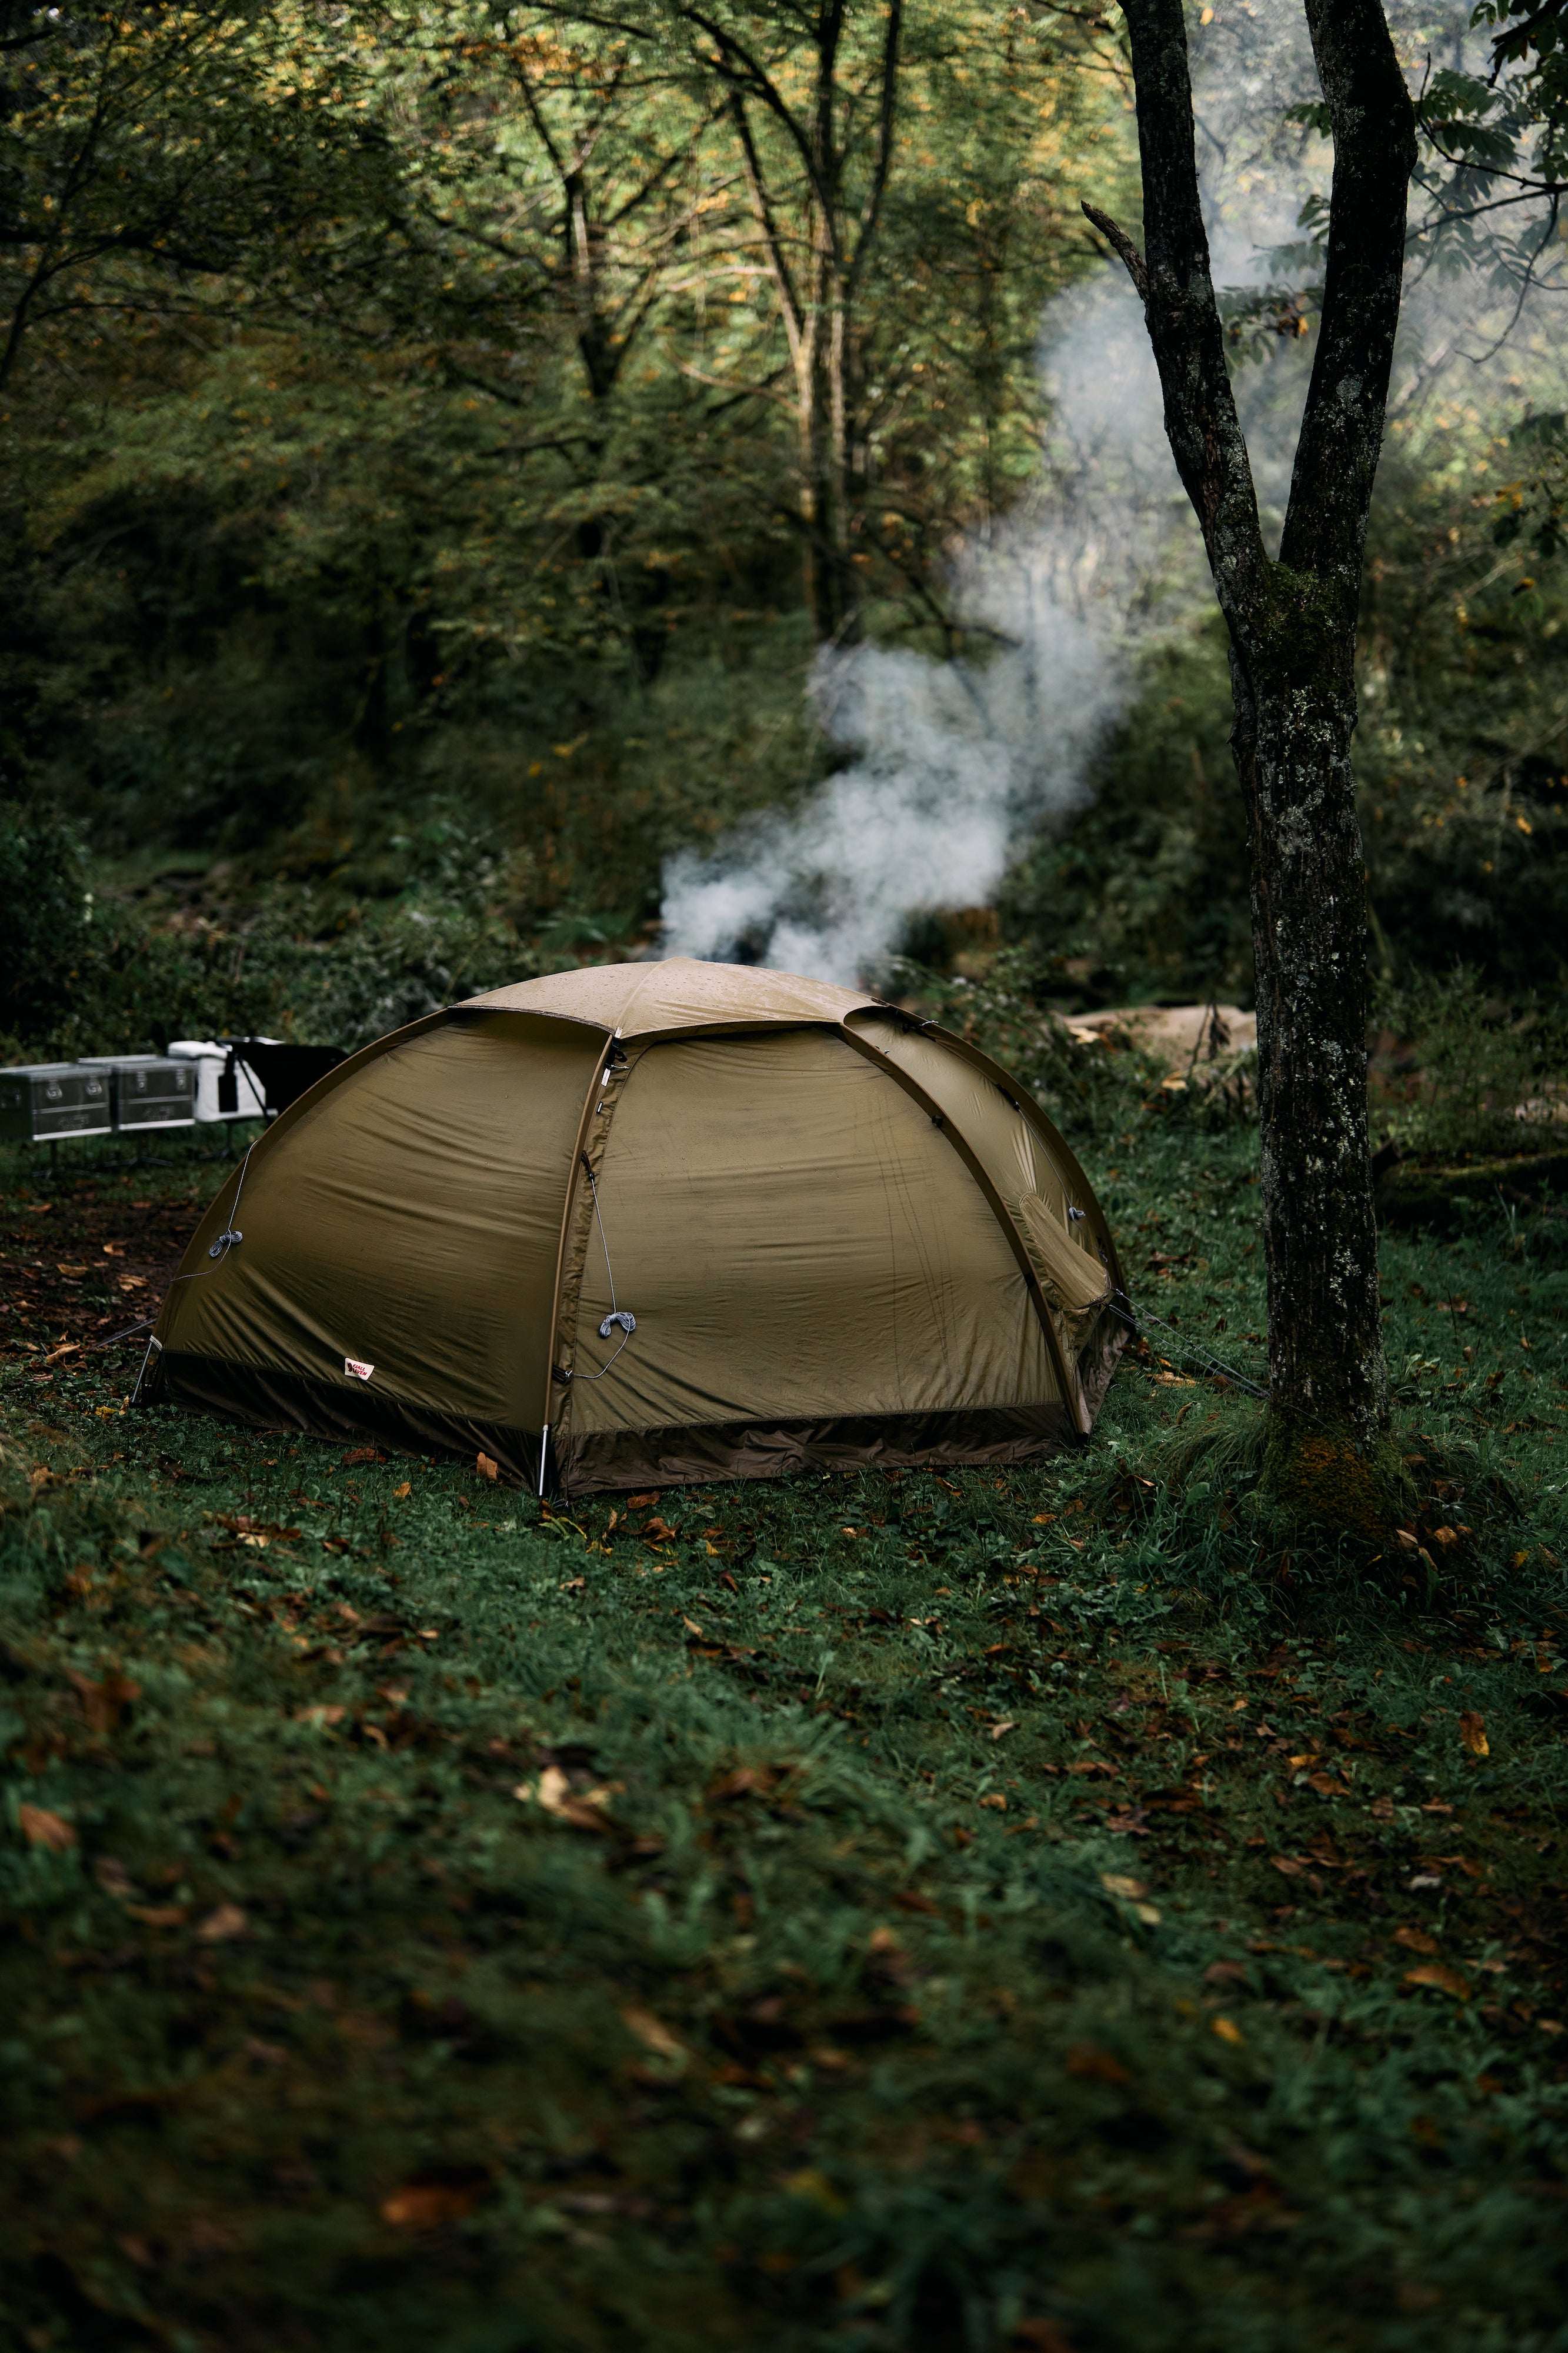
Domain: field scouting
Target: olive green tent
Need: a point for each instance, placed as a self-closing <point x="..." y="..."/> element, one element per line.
<point x="651" y="1223"/>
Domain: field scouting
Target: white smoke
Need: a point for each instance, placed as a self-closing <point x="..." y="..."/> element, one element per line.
<point x="949" y="768"/>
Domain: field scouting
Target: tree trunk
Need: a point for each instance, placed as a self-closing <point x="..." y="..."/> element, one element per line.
<point x="1293" y="639"/>
<point x="1291" y="743"/>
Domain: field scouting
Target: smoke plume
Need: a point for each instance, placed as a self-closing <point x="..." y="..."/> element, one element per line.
<point x="943" y="770"/>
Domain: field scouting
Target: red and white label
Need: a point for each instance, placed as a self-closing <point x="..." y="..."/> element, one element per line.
<point x="361" y="1372"/>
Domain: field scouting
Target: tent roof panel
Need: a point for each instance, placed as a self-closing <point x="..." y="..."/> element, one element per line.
<point x="640" y="1000"/>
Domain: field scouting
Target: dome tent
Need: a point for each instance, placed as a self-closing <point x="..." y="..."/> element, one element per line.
<point x="644" y="1224"/>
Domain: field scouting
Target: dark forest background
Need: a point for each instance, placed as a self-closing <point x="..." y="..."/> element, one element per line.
<point x="437" y="439"/>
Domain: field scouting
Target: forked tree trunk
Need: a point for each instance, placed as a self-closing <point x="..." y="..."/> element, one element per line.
<point x="1292" y="645"/>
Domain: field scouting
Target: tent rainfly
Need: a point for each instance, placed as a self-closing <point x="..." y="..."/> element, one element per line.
<point x="654" y="1223"/>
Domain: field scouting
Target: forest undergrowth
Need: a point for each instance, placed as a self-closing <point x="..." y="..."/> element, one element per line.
<point x="1042" y="1909"/>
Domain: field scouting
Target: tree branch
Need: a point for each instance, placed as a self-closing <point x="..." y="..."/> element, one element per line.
<point x="1185" y="329"/>
<point x="1121" y="244"/>
<point x="1373" y="126"/>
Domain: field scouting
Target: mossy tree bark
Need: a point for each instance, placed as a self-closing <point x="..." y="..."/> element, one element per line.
<point x="1292" y="625"/>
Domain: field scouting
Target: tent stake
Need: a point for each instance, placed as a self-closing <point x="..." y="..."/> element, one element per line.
<point x="543" y="1451"/>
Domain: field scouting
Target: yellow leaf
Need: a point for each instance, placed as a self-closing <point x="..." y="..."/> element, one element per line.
<point x="401" y="1494"/>
<point x="1228" y="2030"/>
<point x="1473" y="1733"/>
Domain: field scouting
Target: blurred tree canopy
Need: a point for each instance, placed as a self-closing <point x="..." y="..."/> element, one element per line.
<point x="448" y="422"/>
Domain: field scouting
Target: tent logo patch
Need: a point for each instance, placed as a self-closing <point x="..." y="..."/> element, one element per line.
<point x="361" y="1372"/>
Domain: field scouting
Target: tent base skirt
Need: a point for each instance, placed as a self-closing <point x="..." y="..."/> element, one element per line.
<point x="330" y="1409"/>
<point x="605" y="1461"/>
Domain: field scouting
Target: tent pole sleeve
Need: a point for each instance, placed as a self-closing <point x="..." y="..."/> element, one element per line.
<point x="1071" y="1388"/>
<point x="596" y="1090"/>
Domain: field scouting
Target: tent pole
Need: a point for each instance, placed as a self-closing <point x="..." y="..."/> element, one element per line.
<point x="543" y="1454"/>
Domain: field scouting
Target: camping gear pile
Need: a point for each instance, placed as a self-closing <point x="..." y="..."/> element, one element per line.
<point x="199" y="1080"/>
<point x="644" y="1224"/>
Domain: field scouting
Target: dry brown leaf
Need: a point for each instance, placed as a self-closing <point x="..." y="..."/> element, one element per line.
<point x="320" y="1715"/>
<point x="553" y="1792"/>
<point x="104" y="1703"/>
<point x="222" y="1926"/>
<point x="1473" y="1733"/>
<point x="1437" y="1973"/>
<point x="1087" y="2061"/>
<point x="1116" y="1883"/>
<point x="653" y="2033"/>
<point x="401" y="1494"/>
<point x="998" y="1729"/>
<point x="425" y="2205"/>
<point x="40" y="1828"/>
<point x="1228" y="2030"/>
<point x="1417" y="1940"/>
<point x="160" y="1916"/>
<point x="486" y="1466"/>
<point x="642" y="1503"/>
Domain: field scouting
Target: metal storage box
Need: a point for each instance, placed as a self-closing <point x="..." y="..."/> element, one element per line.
<point x="148" y="1090"/>
<point x="41" y="1102"/>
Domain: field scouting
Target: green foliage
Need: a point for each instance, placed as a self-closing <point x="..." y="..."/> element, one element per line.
<point x="45" y="918"/>
<point x="1461" y="1074"/>
<point x="1143" y="895"/>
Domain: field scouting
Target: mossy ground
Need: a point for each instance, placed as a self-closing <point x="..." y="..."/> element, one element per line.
<point x="1030" y="1910"/>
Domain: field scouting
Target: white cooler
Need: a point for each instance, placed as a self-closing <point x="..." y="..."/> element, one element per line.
<point x="223" y="1089"/>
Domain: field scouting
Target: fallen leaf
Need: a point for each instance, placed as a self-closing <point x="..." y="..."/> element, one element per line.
<point x="486" y="1466"/>
<point x="1417" y="1940"/>
<point x="40" y="1828"/>
<point x="1437" y="1973"/>
<point x="693" y="1627"/>
<point x="425" y="2205"/>
<point x="401" y="1494"/>
<point x="104" y="1703"/>
<point x="320" y="1715"/>
<point x="1226" y="1973"/>
<point x="642" y="1503"/>
<point x="1288" y="1864"/>
<point x="160" y="1916"/>
<point x="1446" y="1538"/>
<point x="998" y="1729"/>
<point x="1091" y="1764"/>
<point x="1228" y="2030"/>
<point x="1087" y="2061"/>
<point x="654" y="1530"/>
<point x="1381" y="1808"/>
<point x="1473" y="1733"/>
<point x="653" y="2033"/>
<point x="1116" y="1883"/>
<point x="1041" y="2336"/>
<point x="554" y="1793"/>
<point x="997" y="1800"/>
<point x="222" y="1926"/>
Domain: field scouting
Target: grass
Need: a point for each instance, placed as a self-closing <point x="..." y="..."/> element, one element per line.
<point x="946" y="1913"/>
